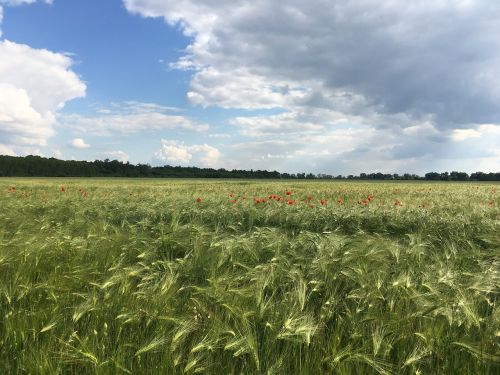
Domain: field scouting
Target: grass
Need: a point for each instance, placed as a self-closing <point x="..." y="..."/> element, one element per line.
<point x="135" y="276"/>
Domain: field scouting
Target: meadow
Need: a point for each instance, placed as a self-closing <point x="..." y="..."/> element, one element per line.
<point x="113" y="276"/>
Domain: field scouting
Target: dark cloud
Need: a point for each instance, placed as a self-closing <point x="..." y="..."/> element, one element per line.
<point x="419" y="58"/>
<point x="408" y="71"/>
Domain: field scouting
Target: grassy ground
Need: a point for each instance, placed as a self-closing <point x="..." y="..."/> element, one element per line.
<point x="171" y="277"/>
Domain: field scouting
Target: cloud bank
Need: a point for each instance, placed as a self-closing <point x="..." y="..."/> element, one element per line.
<point x="422" y="58"/>
<point x="414" y="74"/>
<point x="177" y="153"/>
<point x="130" y="118"/>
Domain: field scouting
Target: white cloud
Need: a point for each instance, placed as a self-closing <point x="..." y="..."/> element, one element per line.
<point x="463" y="134"/>
<point x="295" y="153"/>
<point x="176" y="152"/>
<point x="424" y="129"/>
<point x="490" y="130"/>
<point x="220" y="135"/>
<point x="56" y="153"/>
<point x="34" y="85"/>
<point x="403" y="58"/>
<point x="129" y="118"/>
<point x="20" y="122"/>
<point x="408" y="79"/>
<point x="6" y="150"/>
<point x="133" y="106"/>
<point x="115" y="155"/>
<point x="296" y="122"/>
<point x="240" y="89"/>
<point x="79" y="143"/>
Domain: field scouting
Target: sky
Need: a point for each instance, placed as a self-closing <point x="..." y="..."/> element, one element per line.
<point x="321" y="86"/>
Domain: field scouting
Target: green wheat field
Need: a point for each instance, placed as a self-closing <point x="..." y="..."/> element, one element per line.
<point x="115" y="276"/>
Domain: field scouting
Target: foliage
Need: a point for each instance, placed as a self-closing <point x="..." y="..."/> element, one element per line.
<point x="36" y="166"/>
<point x="161" y="276"/>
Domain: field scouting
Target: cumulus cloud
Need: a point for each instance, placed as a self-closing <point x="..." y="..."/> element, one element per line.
<point x="6" y="150"/>
<point x="115" y="155"/>
<point x="428" y="57"/>
<point x="296" y="153"/>
<point x="417" y="76"/>
<point x="463" y="134"/>
<point x="489" y="130"/>
<point x="292" y="123"/>
<point x="79" y="143"/>
<point x="357" y="149"/>
<point x="176" y="152"/>
<point x="238" y="88"/>
<point x="56" y="153"/>
<point x="34" y="85"/>
<point x="129" y="118"/>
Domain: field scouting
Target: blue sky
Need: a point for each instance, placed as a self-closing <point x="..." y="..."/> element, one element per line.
<point x="292" y="86"/>
<point x="116" y="54"/>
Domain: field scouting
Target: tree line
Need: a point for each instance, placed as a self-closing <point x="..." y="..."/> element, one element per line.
<point x="36" y="166"/>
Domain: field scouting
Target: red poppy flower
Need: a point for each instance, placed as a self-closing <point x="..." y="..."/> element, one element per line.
<point x="288" y="193"/>
<point x="340" y="201"/>
<point x="309" y="198"/>
<point x="63" y="189"/>
<point x="198" y="200"/>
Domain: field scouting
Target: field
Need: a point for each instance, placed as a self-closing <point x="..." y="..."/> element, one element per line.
<point x="229" y="277"/>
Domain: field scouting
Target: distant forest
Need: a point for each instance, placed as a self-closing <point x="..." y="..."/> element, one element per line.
<point x="36" y="166"/>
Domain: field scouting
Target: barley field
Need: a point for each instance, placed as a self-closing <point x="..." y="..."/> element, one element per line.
<point x="123" y="276"/>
